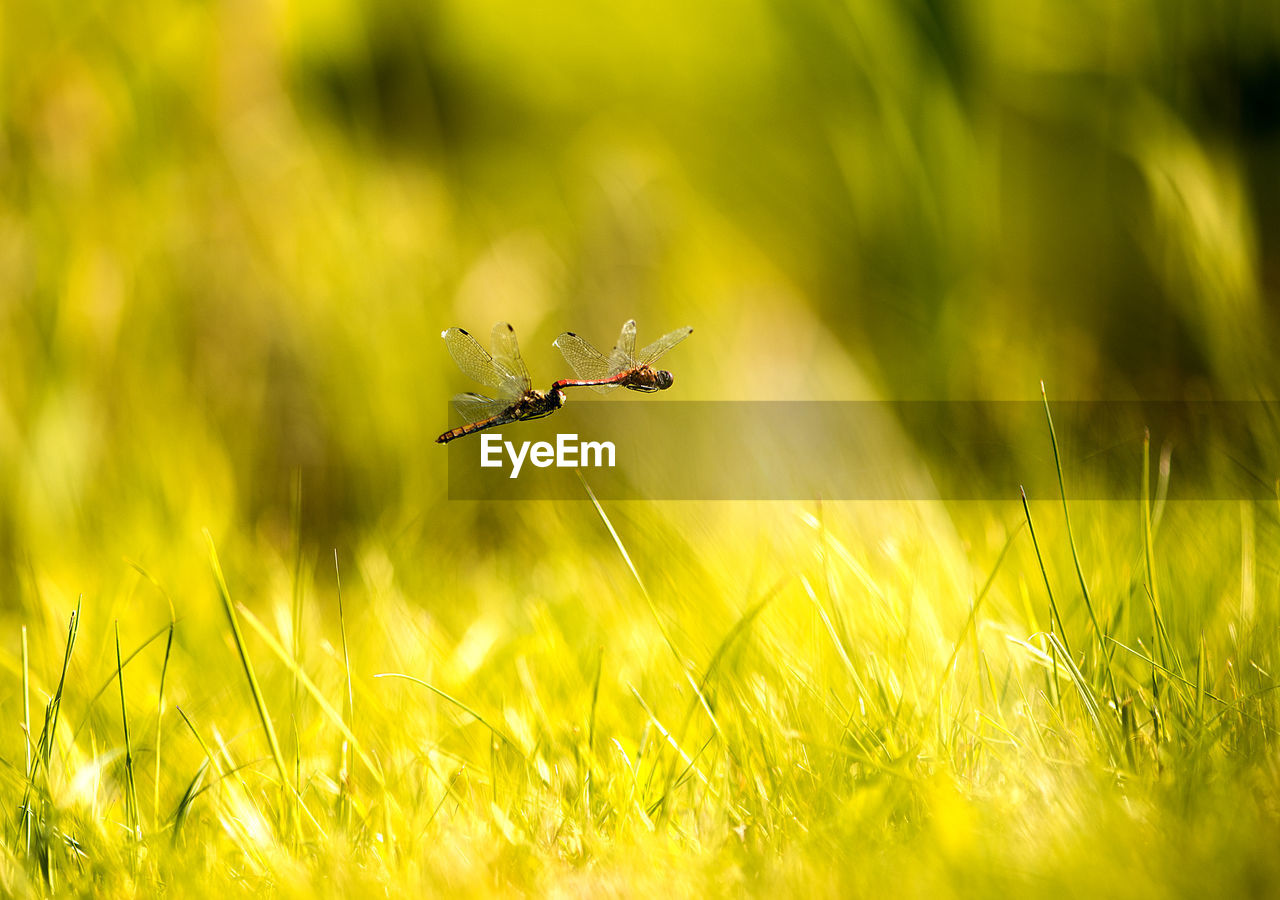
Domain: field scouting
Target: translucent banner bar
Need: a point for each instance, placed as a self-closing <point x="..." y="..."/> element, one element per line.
<point x="648" y="448"/>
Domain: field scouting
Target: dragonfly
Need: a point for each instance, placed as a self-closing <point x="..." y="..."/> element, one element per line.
<point x="505" y="372"/>
<point x="623" y="367"/>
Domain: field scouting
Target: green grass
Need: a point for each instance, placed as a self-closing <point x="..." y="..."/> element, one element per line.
<point x="230" y="235"/>
<point x="821" y="710"/>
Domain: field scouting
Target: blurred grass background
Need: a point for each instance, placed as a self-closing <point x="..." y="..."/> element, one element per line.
<point x="230" y="234"/>
<point x="239" y="230"/>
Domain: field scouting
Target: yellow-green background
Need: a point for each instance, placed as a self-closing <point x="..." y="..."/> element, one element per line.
<point x="230" y="234"/>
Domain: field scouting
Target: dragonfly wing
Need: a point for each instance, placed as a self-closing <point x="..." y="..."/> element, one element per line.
<point x="474" y="361"/>
<point x="477" y="407"/>
<point x="624" y="352"/>
<point x="506" y="353"/>
<point x="588" y="363"/>
<point x="651" y="353"/>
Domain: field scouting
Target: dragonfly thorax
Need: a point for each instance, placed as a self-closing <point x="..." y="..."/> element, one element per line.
<point x="536" y="404"/>
<point x="647" y="380"/>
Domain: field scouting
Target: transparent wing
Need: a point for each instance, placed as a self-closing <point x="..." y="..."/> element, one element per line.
<point x="588" y="363"/>
<point x="624" y="352"/>
<point x="651" y="353"/>
<point x="477" y="407"/>
<point x="506" y="353"/>
<point x="474" y="361"/>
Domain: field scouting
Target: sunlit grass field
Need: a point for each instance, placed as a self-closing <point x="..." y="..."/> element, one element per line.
<point x="831" y="700"/>
<point x="248" y="644"/>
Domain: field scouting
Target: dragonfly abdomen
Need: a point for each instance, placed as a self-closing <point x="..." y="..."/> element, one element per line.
<point x="472" y="428"/>
<point x="639" y="378"/>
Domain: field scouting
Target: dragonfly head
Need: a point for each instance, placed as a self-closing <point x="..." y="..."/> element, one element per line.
<point x="663" y="379"/>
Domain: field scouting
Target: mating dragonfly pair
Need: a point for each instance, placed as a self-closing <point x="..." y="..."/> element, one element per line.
<point x="516" y="401"/>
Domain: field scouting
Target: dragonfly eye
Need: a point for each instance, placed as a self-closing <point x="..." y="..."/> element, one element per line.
<point x="664" y="379"/>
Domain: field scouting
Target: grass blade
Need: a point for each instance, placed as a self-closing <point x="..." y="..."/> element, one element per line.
<point x="164" y="672"/>
<point x="1161" y="635"/>
<point x="349" y="711"/>
<point x="493" y="729"/>
<point x="25" y="822"/>
<point x="1075" y="556"/>
<point x="1055" y="618"/>
<point x="131" y="784"/>
<point x="264" y="716"/>
<point x="310" y="687"/>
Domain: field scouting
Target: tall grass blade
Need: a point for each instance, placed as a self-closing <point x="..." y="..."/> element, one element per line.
<point x="349" y="710"/>
<point x="493" y="729"/>
<point x="130" y="782"/>
<point x="111" y="679"/>
<point x="25" y="821"/>
<point x="1055" y="618"/>
<point x="1160" y="634"/>
<point x="1089" y="700"/>
<point x="186" y="801"/>
<point x="164" y="673"/>
<point x="305" y="682"/>
<point x="653" y="607"/>
<point x="264" y="715"/>
<point x="42" y="829"/>
<point x="591" y="732"/>
<point x="160" y="710"/>
<point x="973" y="612"/>
<point x="296" y="617"/>
<point x="1075" y="556"/>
